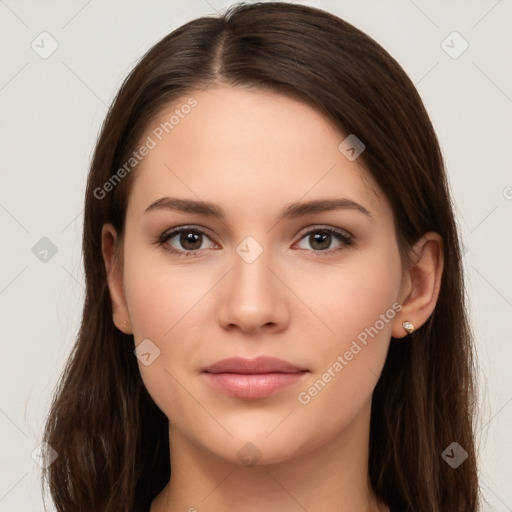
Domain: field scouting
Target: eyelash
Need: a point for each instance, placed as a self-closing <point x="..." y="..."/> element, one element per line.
<point x="347" y="240"/>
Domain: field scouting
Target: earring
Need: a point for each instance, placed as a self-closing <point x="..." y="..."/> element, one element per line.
<point x="408" y="327"/>
<point x="125" y="322"/>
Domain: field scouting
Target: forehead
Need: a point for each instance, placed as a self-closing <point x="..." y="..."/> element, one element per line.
<point x="261" y="147"/>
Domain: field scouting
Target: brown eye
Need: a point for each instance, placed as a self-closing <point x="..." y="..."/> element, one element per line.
<point x="184" y="241"/>
<point x="321" y="240"/>
<point x="190" y="240"/>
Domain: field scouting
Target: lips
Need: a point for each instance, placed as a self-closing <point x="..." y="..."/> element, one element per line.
<point x="253" y="378"/>
<point x="260" y="365"/>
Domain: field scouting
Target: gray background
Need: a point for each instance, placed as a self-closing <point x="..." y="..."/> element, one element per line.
<point x="51" y="110"/>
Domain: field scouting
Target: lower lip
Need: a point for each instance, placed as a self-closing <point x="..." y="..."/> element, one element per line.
<point x="253" y="385"/>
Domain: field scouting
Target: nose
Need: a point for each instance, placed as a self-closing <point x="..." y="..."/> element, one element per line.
<point x="252" y="298"/>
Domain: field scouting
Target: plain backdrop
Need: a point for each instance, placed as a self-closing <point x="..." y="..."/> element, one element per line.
<point x="51" y="112"/>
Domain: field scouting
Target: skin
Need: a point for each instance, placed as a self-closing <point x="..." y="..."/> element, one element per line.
<point x="252" y="153"/>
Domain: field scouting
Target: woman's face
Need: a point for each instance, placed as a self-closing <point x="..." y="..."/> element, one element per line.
<point x="316" y="287"/>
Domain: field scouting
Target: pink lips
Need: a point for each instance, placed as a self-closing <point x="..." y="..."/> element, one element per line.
<point x="253" y="378"/>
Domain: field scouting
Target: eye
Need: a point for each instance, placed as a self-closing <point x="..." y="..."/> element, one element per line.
<point x="184" y="241"/>
<point x="187" y="241"/>
<point x="320" y="239"/>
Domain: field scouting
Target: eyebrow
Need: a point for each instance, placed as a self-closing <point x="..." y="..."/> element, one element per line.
<point x="290" y="211"/>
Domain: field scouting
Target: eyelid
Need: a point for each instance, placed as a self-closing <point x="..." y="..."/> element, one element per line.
<point x="324" y="227"/>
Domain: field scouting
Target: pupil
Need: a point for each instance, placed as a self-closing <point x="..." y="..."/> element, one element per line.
<point x="323" y="239"/>
<point x="192" y="239"/>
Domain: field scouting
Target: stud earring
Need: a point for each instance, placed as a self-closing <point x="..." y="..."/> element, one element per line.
<point x="408" y="327"/>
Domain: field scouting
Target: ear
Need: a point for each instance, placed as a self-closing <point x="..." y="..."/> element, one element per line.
<point x="111" y="251"/>
<point x="421" y="284"/>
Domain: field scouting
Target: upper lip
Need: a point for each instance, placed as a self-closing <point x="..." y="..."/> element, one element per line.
<point x="259" y="365"/>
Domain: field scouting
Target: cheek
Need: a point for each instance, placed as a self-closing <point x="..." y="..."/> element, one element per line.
<point x="161" y="303"/>
<point x="352" y="295"/>
<point x="359" y="305"/>
<point x="161" y="295"/>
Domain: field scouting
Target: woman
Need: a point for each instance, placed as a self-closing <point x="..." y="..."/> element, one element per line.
<point x="274" y="314"/>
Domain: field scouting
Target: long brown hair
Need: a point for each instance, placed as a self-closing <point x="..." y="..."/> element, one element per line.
<point x="111" y="438"/>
